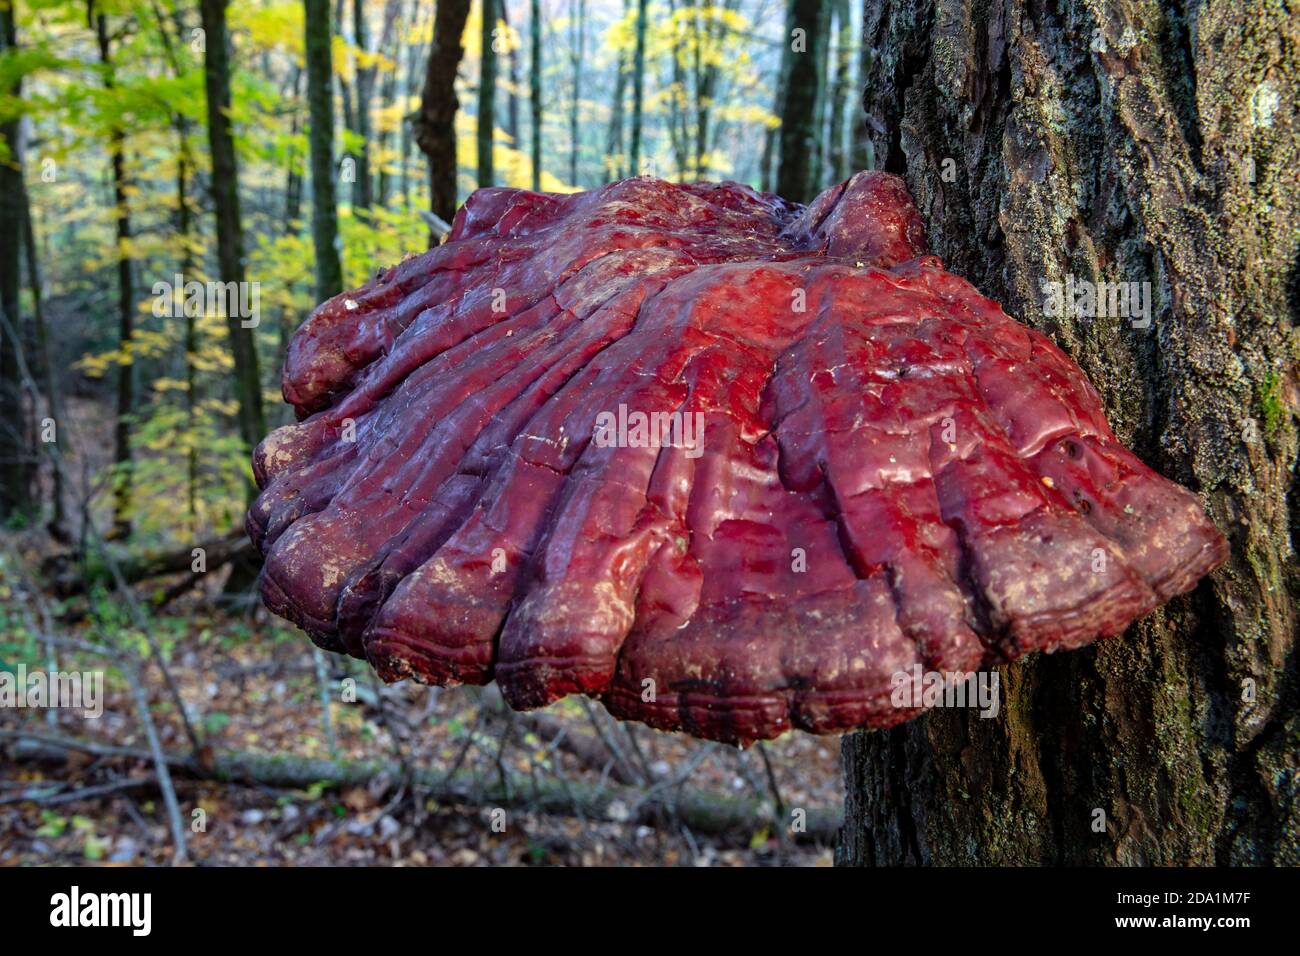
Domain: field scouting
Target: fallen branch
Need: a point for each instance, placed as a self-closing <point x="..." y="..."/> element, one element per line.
<point x="67" y="579"/>
<point x="708" y="813"/>
<point x="593" y="753"/>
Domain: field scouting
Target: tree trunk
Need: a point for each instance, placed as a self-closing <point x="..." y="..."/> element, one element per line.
<point x="15" y="471"/>
<point x="837" y="155"/>
<point x="57" y="525"/>
<point x="861" y="154"/>
<point x="772" y="135"/>
<point x="435" y="124"/>
<point x="225" y="201"/>
<point x="293" y="175"/>
<point x="1118" y="142"/>
<point x="125" y="307"/>
<point x="404" y="143"/>
<point x="487" y="93"/>
<point x="535" y="91"/>
<point x="638" y="90"/>
<point x="320" y="102"/>
<point x="184" y="162"/>
<point x="577" y="41"/>
<point x="614" y="155"/>
<point x="678" y="135"/>
<point x="361" y="188"/>
<point x="191" y="339"/>
<point x="806" y="32"/>
<point x="394" y="26"/>
<point x="512" y="100"/>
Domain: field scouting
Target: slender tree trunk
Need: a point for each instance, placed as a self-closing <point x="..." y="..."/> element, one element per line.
<point x="191" y="338"/>
<point x="362" y="196"/>
<point x="578" y="43"/>
<point x="861" y="154"/>
<point x="487" y="94"/>
<point x="183" y="165"/>
<point x="125" y="306"/>
<point x="837" y="154"/>
<point x="772" y="138"/>
<point x="707" y="90"/>
<point x="820" y="139"/>
<point x="678" y="134"/>
<point x="394" y="20"/>
<point x="383" y="179"/>
<point x="294" y="173"/>
<point x="435" y="124"/>
<point x="638" y="90"/>
<point x="320" y="101"/>
<point x="797" y="176"/>
<point x="225" y="201"/>
<point x="697" y="85"/>
<point x="535" y="89"/>
<point x="16" y="500"/>
<point x="57" y="525"/>
<point x="614" y="164"/>
<point x="404" y="146"/>
<point x="516" y="83"/>
<point x="351" y="159"/>
<point x="1168" y="157"/>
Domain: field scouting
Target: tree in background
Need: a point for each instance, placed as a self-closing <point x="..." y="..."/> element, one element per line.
<point x="487" y="93"/>
<point x="577" y="47"/>
<point x="225" y="202"/>
<point x="837" y="151"/>
<point x="320" y="99"/>
<point x="435" y="123"/>
<point x="535" y="88"/>
<point x="638" y="91"/>
<point x="365" y="89"/>
<point x="807" y="32"/>
<point x="515" y="79"/>
<point x="16" y="502"/>
<point x="126" y="371"/>
<point x="615" y="157"/>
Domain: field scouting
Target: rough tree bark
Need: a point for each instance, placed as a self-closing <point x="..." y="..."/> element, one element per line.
<point x="435" y="123"/>
<point x="1118" y="141"/>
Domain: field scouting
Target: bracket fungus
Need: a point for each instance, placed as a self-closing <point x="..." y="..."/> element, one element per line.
<point x="725" y="463"/>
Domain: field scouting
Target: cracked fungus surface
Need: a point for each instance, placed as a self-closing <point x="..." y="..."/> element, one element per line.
<point x="890" y="472"/>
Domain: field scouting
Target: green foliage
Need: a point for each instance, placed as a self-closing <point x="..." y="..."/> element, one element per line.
<point x="708" y="63"/>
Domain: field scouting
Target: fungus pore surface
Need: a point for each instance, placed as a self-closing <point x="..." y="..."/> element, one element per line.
<point x="727" y="464"/>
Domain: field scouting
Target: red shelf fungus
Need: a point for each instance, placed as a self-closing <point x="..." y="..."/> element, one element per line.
<point x="725" y="463"/>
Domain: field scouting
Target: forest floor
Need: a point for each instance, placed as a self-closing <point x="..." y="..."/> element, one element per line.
<point x="252" y="685"/>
